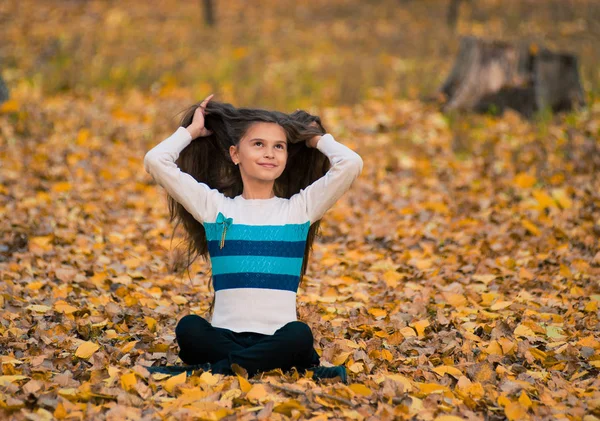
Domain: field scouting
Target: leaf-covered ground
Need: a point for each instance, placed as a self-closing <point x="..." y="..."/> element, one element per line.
<point x="457" y="279"/>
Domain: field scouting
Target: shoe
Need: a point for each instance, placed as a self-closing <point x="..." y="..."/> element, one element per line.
<point x="330" y="373"/>
<point x="178" y="369"/>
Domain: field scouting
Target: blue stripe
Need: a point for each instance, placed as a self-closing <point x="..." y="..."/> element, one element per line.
<point x="257" y="248"/>
<point x="288" y="232"/>
<point x="257" y="264"/>
<point x="256" y="280"/>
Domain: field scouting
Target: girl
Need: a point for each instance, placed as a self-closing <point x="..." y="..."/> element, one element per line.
<point x="250" y="187"/>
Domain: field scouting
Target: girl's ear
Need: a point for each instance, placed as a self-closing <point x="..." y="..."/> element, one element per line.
<point x="233" y="153"/>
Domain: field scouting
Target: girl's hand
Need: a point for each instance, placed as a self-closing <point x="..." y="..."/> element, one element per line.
<point x="196" y="128"/>
<point x="312" y="143"/>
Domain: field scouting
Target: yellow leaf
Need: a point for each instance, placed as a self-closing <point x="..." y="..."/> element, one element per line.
<point x="486" y="279"/>
<point x="258" y="392"/>
<point x="387" y="355"/>
<point x="128" y="347"/>
<point x="506" y="344"/>
<point x="494" y="348"/>
<point x="378" y="312"/>
<point x="436" y="207"/>
<point x="514" y="411"/>
<point x="554" y="332"/>
<point x="475" y="390"/>
<point x="82" y="137"/>
<point x="244" y="384"/>
<point x="538" y="354"/>
<point x="61" y="187"/>
<point x="530" y="226"/>
<point x="589" y="341"/>
<point x="356" y="367"/>
<point x="286" y="407"/>
<point x="6" y="380"/>
<point x="423" y="264"/>
<point x="455" y="300"/>
<point x="426" y="389"/>
<point x="446" y="369"/>
<point x="128" y="381"/>
<point x="64" y="307"/>
<point x="159" y="376"/>
<point x="179" y="299"/>
<point x="400" y="379"/>
<point x="561" y="197"/>
<point x="350" y="344"/>
<point x="86" y="350"/>
<point x="523" y="330"/>
<point x="45" y="242"/>
<point x="38" y="308"/>
<point x="565" y="271"/>
<point x="240" y="52"/>
<point x="591" y="307"/>
<point x="35" y="285"/>
<point x="420" y="327"/>
<point x="361" y="389"/>
<point x="524" y="180"/>
<point x="170" y="384"/>
<point x="341" y="358"/>
<point x="500" y="305"/>
<point x="448" y="418"/>
<point x="407" y="332"/>
<point x="209" y="378"/>
<point x="503" y="400"/>
<point x="197" y="393"/>
<point x="544" y="200"/>
<point x="391" y="278"/>
<point x="487" y="298"/>
<point x="10" y="106"/>
<point x="524" y="400"/>
<point x="60" y="412"/>
<point x="151" y="322"/>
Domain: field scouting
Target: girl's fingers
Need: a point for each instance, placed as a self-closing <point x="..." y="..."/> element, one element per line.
<point x="207" y="99"/>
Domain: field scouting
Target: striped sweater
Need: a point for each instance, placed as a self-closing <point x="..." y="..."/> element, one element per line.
<point x="256" y="246"/>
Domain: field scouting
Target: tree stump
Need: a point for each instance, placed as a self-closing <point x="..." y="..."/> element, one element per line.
<point x="494" y="75"/>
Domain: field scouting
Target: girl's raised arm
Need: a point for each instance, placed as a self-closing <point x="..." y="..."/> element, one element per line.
<point x="197" y="198"/>
<point x="321" y="195"/>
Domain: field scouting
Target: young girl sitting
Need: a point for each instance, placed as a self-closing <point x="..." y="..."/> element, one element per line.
<point x="250" y="187"/>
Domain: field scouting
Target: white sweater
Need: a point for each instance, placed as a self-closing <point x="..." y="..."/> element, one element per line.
<point x="257" y="271"/>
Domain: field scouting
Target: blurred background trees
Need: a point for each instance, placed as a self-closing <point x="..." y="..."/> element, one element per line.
<point x="277" y="53"/>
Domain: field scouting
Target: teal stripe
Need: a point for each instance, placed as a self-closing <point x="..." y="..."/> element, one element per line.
<point x="257" y="264"/>
<point x="288" y="232"/>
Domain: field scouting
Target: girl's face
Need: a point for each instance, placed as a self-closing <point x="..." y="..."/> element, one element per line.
<point x="262" y="152"/>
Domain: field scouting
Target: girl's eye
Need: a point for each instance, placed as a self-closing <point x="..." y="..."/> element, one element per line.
<point x="260" y="143"/>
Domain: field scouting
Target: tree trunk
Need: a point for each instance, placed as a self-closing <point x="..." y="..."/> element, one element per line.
<point x="3" y="91"/>
<point x="493" y="75"/>
<point x="209" y="16"/>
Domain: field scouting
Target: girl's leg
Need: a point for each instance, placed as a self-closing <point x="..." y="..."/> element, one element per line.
<point x="200" y="342"/>
<point x="290" y="346"/>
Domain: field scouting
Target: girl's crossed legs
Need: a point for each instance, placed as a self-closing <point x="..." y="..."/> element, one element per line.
<point x="290" y="346"/>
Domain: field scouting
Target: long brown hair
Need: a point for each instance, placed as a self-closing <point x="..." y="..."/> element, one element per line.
<point x="207" y="159"/>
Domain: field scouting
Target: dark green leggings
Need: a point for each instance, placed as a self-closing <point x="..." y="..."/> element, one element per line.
<point x="290" y="346"/>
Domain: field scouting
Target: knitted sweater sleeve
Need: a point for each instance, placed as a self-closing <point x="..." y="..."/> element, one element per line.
<point x="322" y="194"/>
<point x="197" y="198"/>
